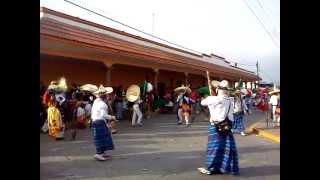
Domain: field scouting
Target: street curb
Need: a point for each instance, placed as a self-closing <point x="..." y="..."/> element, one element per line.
<point x="250" y="129"/>
<point x="267" y="135"/>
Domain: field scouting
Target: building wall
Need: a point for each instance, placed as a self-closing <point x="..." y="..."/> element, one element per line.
<point x="80" y="72"/>
<point x="83" y="72"/>
<point x="128" y="75"/>
<point x="170" y="78"/>
<point x="197" y="80"/>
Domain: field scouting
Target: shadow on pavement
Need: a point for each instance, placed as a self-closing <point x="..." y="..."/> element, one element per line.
<point x="256" y="149"/>
<point x="259" y="171"/>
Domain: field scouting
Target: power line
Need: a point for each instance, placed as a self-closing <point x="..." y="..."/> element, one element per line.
<point x="274" y="39"/>
<point x="141" y="30"/>
<point x="269" y="34"/>
<point x="268" y="76"/>
<point x="130" y="26"/>
<point x="267" y="14"/>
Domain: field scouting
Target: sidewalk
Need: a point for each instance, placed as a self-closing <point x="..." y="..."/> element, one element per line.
<point x="271" y="133"/>
<point x="268" y="131"/>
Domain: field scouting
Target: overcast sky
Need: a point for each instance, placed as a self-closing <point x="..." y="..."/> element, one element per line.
<point x="224" y="27"/>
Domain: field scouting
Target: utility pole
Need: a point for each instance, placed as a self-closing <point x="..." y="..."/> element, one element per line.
<point x="153" y="23"/>
<point x="258" y="72"/>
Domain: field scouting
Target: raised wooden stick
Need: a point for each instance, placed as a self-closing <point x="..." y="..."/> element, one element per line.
<point x="209" y="83"/>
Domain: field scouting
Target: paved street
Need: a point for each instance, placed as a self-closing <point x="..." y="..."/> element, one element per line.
<point x="159" y="150"/>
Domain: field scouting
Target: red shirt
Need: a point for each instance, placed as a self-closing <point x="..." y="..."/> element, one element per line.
<point x="194" y="96"/>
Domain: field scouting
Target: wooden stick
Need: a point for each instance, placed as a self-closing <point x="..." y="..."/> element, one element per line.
<point x="209" y="83"/>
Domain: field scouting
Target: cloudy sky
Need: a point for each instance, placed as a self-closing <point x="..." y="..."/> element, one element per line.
<point x="243" y="31"/>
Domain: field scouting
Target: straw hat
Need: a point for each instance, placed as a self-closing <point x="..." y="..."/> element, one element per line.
<point x="182" y="89"/>
<point x="89" y="87"/>
<point x="274" y="91"/>
<point x="223" y="85"/>
<point x="215" y="83"/>
<point x="58" y="86"/>
<point x="62" y="85"/>
<point x="53" y="85"/>
<point x="103" y="90"/>
<point x="237" y="91"/>
<point x="149" y="87"/>
<point x="244" y="91"/>
<point x="133" y="93"/>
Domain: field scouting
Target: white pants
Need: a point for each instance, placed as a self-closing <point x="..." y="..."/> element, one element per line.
<point x="274" y="113"/>
<point x="136" y="113"/>
<point x="275" y="117"/>
<point x="180" y="115"/>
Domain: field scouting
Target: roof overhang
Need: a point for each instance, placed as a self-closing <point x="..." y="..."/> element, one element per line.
<point x="65" y="35"/>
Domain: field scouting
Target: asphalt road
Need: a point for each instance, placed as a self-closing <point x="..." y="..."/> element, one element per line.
<point x="158" y="150"/>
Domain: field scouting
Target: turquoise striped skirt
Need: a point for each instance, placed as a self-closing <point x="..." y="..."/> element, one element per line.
<point x="238" y="122"/>
<point x="101" y="136"/>
<point x="222" y="152"/>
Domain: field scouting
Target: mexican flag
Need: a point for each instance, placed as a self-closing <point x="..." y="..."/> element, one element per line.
<point x="240" y="84"/>
<point x="143" y="87"/>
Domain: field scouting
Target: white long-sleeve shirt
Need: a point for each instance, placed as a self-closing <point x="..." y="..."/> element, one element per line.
<point x="99" y="110"/>
<point x="88" y="109"/>
<point x="274" y="100"/>
<point x="218" y="107"/>
<point x="237" y="105"/>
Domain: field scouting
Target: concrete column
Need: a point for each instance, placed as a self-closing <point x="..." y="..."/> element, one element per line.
<point x="156" y="74"/>
<point x="109" y="68"/>
<point x="186" y="74"/>
<point x="251" y="85"/>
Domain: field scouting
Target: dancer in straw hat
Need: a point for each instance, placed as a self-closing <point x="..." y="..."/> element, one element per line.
<point x="222" y="156"/>
<point x="101" y="133"/>
<point x="275" y="101"/>
<point x="133" y="95"/>
<point x="56" y="125"/>
<point x="184" y="103"/>
<point x="240" y="109"/>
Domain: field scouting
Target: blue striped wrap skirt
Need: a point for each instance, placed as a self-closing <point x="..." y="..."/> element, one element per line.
<point x="238" y="122"/>
<point x="222" y="153"/>
<point x="101" y="136"/>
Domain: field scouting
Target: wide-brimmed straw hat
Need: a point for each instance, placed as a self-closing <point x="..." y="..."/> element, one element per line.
<point x="237" y="91"/>
<point x="223" y="85"/>
<point x="274" y="91"/>
<point x="60" y="86"/>
<point x="89" y="88"/>
<point x="103" y="90"/>
<point x="133" y="93"/>
<point x="215" y="83"/>
<point x="182" y="89"/>
<point x="53" y="85"/>
<point x="244" y="91"/>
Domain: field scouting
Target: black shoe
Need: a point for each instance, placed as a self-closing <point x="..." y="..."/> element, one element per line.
<point x="216" y="172"/>
<point x="74" y="133"/>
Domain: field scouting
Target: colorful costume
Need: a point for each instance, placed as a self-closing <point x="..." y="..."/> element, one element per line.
<point x="55" y="124"/>
<point x="81" y="118"/>
<point x="238" y="114"/>
<point x="221" y="150"/>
